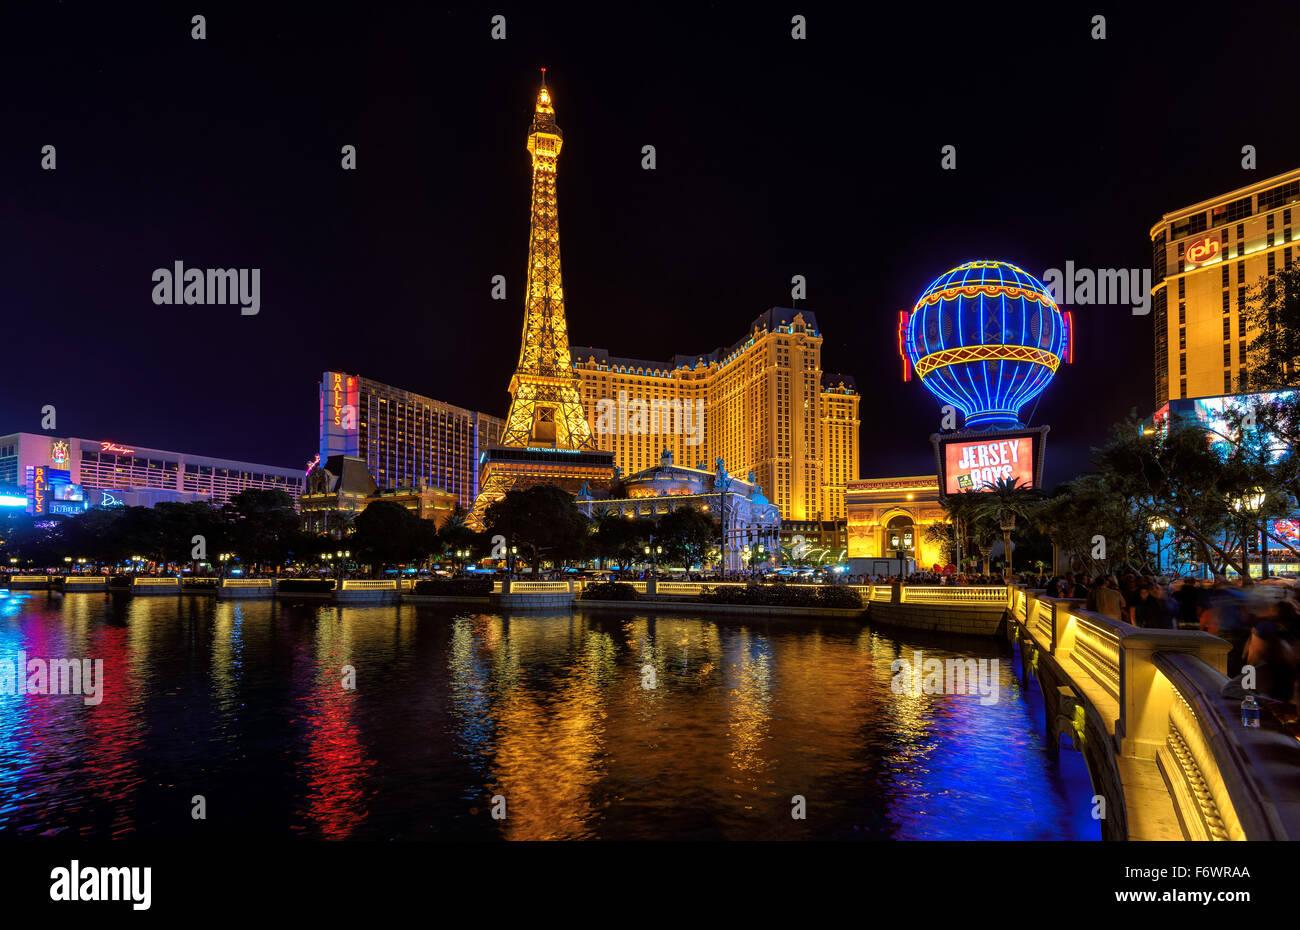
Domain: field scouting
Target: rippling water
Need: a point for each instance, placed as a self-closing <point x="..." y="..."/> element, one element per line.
<point x="243" y="704"/>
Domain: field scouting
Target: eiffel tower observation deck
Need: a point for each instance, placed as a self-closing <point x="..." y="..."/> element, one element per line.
<point x="546" y="439"/>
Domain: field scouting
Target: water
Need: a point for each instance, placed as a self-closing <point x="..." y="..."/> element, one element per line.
<point x="243" y="705"/>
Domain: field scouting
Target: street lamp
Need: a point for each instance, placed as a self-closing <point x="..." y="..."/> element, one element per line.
<point x="1158" y="527"/>
<point x="1252" y="502"/>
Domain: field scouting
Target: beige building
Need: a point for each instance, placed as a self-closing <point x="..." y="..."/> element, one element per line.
<point x="1204" y="259"/>
<point x="888" y="518"/>
<point x="763" y="405"/>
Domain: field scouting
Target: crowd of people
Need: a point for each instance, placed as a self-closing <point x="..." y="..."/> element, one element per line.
<point x="1260" y="622"/>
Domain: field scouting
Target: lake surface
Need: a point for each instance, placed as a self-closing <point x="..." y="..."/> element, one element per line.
<point x="243" y="704"/>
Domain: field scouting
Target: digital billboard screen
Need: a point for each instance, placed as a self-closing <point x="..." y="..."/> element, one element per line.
<point x="978" y="463"/>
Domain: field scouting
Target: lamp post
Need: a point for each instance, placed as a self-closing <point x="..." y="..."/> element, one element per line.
<point x="1158" y="527"/>
<point x="654" y="552"/>
<point x="723" y="482"/>
<point x="1251" y="502"/>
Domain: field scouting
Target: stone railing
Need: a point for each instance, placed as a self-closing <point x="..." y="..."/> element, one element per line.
<point x="73" y="581"/>
<point x="1157" y="695"/>
<point x="541" y="587"/>
<point x="365" y="584"/>
<point x="687" y="588"/>
<point x="168" y="581"/>
<point x="248" y="582"/>
<point x="953" y="594"/>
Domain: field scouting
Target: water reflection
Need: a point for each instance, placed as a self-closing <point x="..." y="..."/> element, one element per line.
<point x="246" y="704"/>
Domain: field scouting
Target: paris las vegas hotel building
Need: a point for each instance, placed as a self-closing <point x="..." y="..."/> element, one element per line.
<point x="768" y="408"/>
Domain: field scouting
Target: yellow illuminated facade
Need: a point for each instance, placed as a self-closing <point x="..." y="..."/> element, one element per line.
<point x="763" y="406"/>
<point x="888" y="518"/>
<point x="1204" y="259"/>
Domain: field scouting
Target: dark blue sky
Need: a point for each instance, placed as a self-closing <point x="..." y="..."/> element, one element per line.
<point x="775" y="158"/>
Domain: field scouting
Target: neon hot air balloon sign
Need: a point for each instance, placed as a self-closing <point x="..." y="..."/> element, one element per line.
<point x="987" y="338"/>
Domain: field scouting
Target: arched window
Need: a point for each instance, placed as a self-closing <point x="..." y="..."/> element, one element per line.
<point x="900" y="537"/>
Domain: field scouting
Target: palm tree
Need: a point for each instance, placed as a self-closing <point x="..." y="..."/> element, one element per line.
<point x="961" y="510"/>
<point x="1005" y="500"/>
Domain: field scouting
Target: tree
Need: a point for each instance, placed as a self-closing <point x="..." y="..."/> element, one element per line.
<point x="686" y="534"/>
<point x="387" y="533"/>
<point x="1002" y="503"/>
<point x="1177" y="475"/>
<point x="263" y="526"/>
<point x="1272" y="313"/>
<point x="456" y="534"/>
<point x="541" y="521"/>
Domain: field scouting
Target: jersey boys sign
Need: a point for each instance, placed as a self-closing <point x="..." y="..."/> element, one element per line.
<point x="977" y="464"/>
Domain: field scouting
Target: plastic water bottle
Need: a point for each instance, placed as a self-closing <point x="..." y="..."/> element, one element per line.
<point x="1249" y="711"/>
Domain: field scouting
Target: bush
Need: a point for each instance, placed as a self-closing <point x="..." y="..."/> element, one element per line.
<point x="609" y="591"/>
<point x="478" y="586"/>
<point x="780" y="595"/>
<point x="834" y="595"/>
<point x="305" y="585"/>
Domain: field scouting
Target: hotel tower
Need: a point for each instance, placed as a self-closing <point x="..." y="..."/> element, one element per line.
<point x="1205" y="257"/>
<point x="765" y="404"/>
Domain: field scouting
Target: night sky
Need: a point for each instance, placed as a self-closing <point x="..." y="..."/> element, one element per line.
<point x="775" y="157"/>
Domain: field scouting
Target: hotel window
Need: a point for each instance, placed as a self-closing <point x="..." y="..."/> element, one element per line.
<point x="1286" y="256"/>
<point x="1243" y="379"/>
<point x="1268" y="224"/>
<point x="1241" y="326"/>
<point x="1241" y="230"/>
<point x="1227" y="327"/>
<point x="1270" y="239"/>
<point x="1272" y="262"/>
<point x="1227" y="353"/>
<point x="1241" y="297"/>
<point x="1182" y="288"/>
<point x="1227" y="382"/>
<point x="1182" y="339"/>
<point x="1241" y="249"/>
<point x="1182" y="364"/>
<point x="1241" y="353"/>
<point x="1225" y="301"/>
<point x="1182" y="388"/>
<point x="1223" y="274"/>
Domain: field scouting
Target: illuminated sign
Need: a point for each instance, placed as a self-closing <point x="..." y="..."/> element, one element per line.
<point x="975" y="466"/>
<point x="903" y="316"/>
<point x="65" y="491"/>
<point x="106" y="499"/>
<point x="114" y="447"/>
<point x="977" y="461"/>
<point x="39" y="488"/>
<point x="1202" y="251"/>
<point x="59" y="454"/>
<point x="1287" y="530"/>
<point x="339" y="433"/>
<point x="313" y="463"/>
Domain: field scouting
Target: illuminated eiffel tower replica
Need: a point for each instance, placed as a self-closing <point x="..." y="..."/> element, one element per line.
<point x="546" y="439"/>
